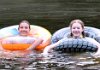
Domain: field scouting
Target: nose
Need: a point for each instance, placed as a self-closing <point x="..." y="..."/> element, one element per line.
<point x="76" y="28"/>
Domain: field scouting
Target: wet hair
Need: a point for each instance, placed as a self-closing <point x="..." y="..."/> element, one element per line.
<point x="24" y="21"/>
<point x="78" y="21"/>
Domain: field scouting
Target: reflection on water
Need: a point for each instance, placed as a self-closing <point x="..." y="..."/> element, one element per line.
<point x="55" y="61"/>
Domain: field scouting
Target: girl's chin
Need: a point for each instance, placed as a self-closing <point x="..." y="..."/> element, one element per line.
<point x="76" y="35"/>
<point x="23" y="35"/>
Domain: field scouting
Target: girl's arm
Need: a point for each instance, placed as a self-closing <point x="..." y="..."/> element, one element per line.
<point x="37" y="42"/>
<point x="97" y="54"/>
<point x="48" y="48"/>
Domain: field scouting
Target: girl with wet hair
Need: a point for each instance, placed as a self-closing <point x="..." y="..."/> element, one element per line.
<point x="76" y="31"/>
<point x="24" y="36"/>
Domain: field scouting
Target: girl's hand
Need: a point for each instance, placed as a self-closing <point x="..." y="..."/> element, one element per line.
<point x="96" y="54"/>
<point x="45" y="54"/>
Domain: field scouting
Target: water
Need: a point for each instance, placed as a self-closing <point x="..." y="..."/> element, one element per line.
<point x="55" y="61"/>
<point x="53" y="15"/>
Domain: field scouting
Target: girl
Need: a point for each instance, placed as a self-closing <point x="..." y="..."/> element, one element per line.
<point x="24" y="37"/>
<point x="77" y="31"/>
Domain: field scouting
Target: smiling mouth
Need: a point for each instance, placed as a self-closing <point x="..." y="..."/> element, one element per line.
<point x="23" y="31"/>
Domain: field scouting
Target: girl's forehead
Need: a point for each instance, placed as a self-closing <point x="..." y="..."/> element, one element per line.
<point x="76" y="24"/>
<point x="24" y="24"/>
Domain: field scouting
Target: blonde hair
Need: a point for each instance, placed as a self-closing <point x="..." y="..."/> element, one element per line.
<point x="78" y="21"/>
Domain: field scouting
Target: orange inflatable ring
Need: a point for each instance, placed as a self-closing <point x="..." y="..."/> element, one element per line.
<point x="36" y="31"/>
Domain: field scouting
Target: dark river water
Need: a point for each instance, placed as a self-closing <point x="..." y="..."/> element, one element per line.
<point x="53" y="15"/>
<point x="55" y="61"/>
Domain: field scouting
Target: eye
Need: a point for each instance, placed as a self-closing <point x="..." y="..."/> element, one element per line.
<point x="78" y="27"/>
<point x="73" y="27"/>
<point x="21" y="27"/>
<point x="26" y="27"/>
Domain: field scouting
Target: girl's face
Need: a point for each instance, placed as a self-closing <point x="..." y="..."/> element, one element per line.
<point x="76" y="29"/>
<point x="24" y="29"/>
